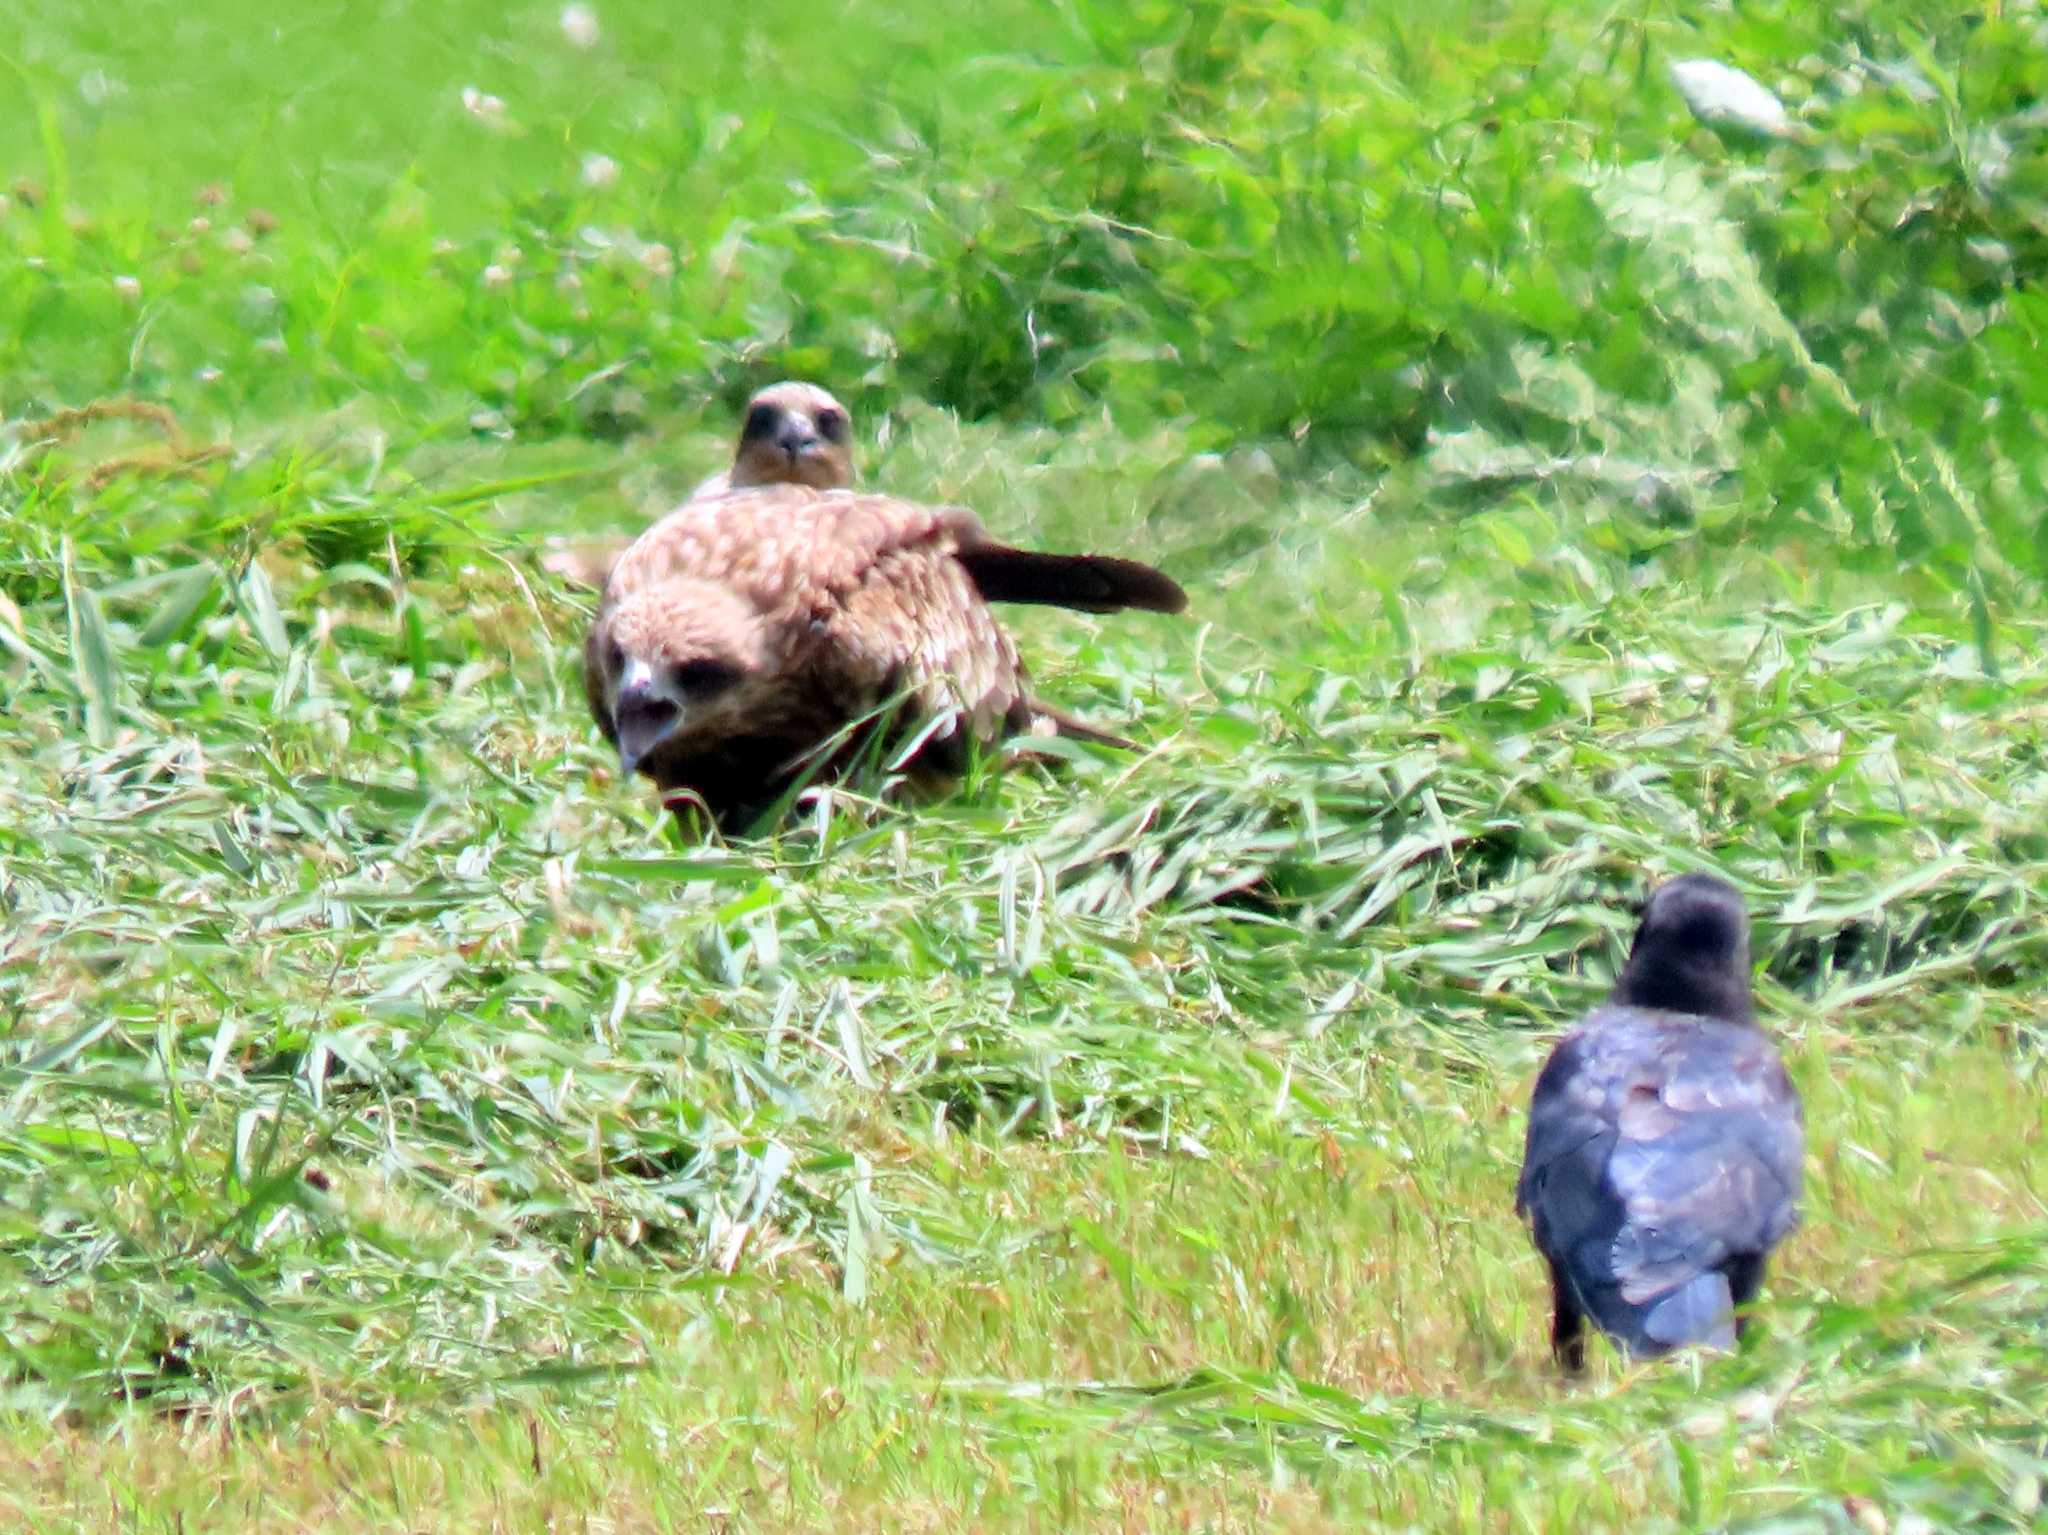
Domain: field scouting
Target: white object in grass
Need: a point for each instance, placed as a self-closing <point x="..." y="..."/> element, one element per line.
<point x="1722" y="96"/>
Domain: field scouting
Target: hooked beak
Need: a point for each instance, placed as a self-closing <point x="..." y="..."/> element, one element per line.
<point x="796" y="442"/>
<point x="643" y="716"/>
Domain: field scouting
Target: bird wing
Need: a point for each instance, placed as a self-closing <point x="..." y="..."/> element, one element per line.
<point x="863" y="593"/>
<point x="775" y="544"/>
<point x="916" y="621"/>
<point x="1570" y="1138"/>
<point x="1708" y="1159"/>
<point x="589" y="562"/>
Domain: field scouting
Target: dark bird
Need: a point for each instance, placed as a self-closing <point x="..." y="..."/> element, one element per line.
<point x="1664" y="1140"/>
<point x="792" y="434"/>
<point x="746" y="640"/>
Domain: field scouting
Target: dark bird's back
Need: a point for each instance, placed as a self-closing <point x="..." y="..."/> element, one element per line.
<point x="1664" y="1147"/>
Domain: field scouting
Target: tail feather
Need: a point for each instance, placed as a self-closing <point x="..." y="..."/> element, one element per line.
<point x="1090" y="583"/>
<point x="1698" y="1311"/>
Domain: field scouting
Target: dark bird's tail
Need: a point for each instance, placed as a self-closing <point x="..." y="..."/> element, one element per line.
<point x="1092" y="583"/>
<point x="1700" y="1310"/>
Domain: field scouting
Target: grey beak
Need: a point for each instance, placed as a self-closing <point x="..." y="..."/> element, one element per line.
<point x="795" y="441"/>
<point x="641" y="720"/>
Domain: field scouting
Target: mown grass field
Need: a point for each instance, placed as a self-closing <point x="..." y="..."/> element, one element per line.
<point x="402" y="1129"/>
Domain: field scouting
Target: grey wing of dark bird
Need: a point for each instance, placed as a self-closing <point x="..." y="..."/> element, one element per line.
<point x="1662" y="1166"/>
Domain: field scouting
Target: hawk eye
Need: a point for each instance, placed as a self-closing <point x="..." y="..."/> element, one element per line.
<point x="760" y="423"/>
<point x="698" y="679"/>
<point x="832" y="425"/>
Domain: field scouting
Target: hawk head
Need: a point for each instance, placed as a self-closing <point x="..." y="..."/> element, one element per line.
<point x="794" y="434"/>
<point x="678" y="661"/>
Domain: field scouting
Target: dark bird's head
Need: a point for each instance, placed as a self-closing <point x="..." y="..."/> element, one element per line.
<point x="794" y="434"/>
<point x="1691" y="952"/>
<point x="679" y="665"/>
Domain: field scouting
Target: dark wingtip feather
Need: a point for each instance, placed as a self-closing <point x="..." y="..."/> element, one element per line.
<point x="1090" y="583"/>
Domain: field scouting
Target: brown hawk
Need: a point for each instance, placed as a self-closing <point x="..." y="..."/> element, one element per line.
<point x="749" y="640"/>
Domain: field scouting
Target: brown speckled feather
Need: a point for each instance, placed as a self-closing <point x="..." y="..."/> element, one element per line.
<point x="809" y="609"/>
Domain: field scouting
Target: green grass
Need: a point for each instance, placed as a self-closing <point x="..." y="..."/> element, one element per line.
<point x="401" y="1128"/>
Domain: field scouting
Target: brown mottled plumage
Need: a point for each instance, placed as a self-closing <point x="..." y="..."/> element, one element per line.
<point x="741" y="638"/>
<point x="792" y="434"/>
